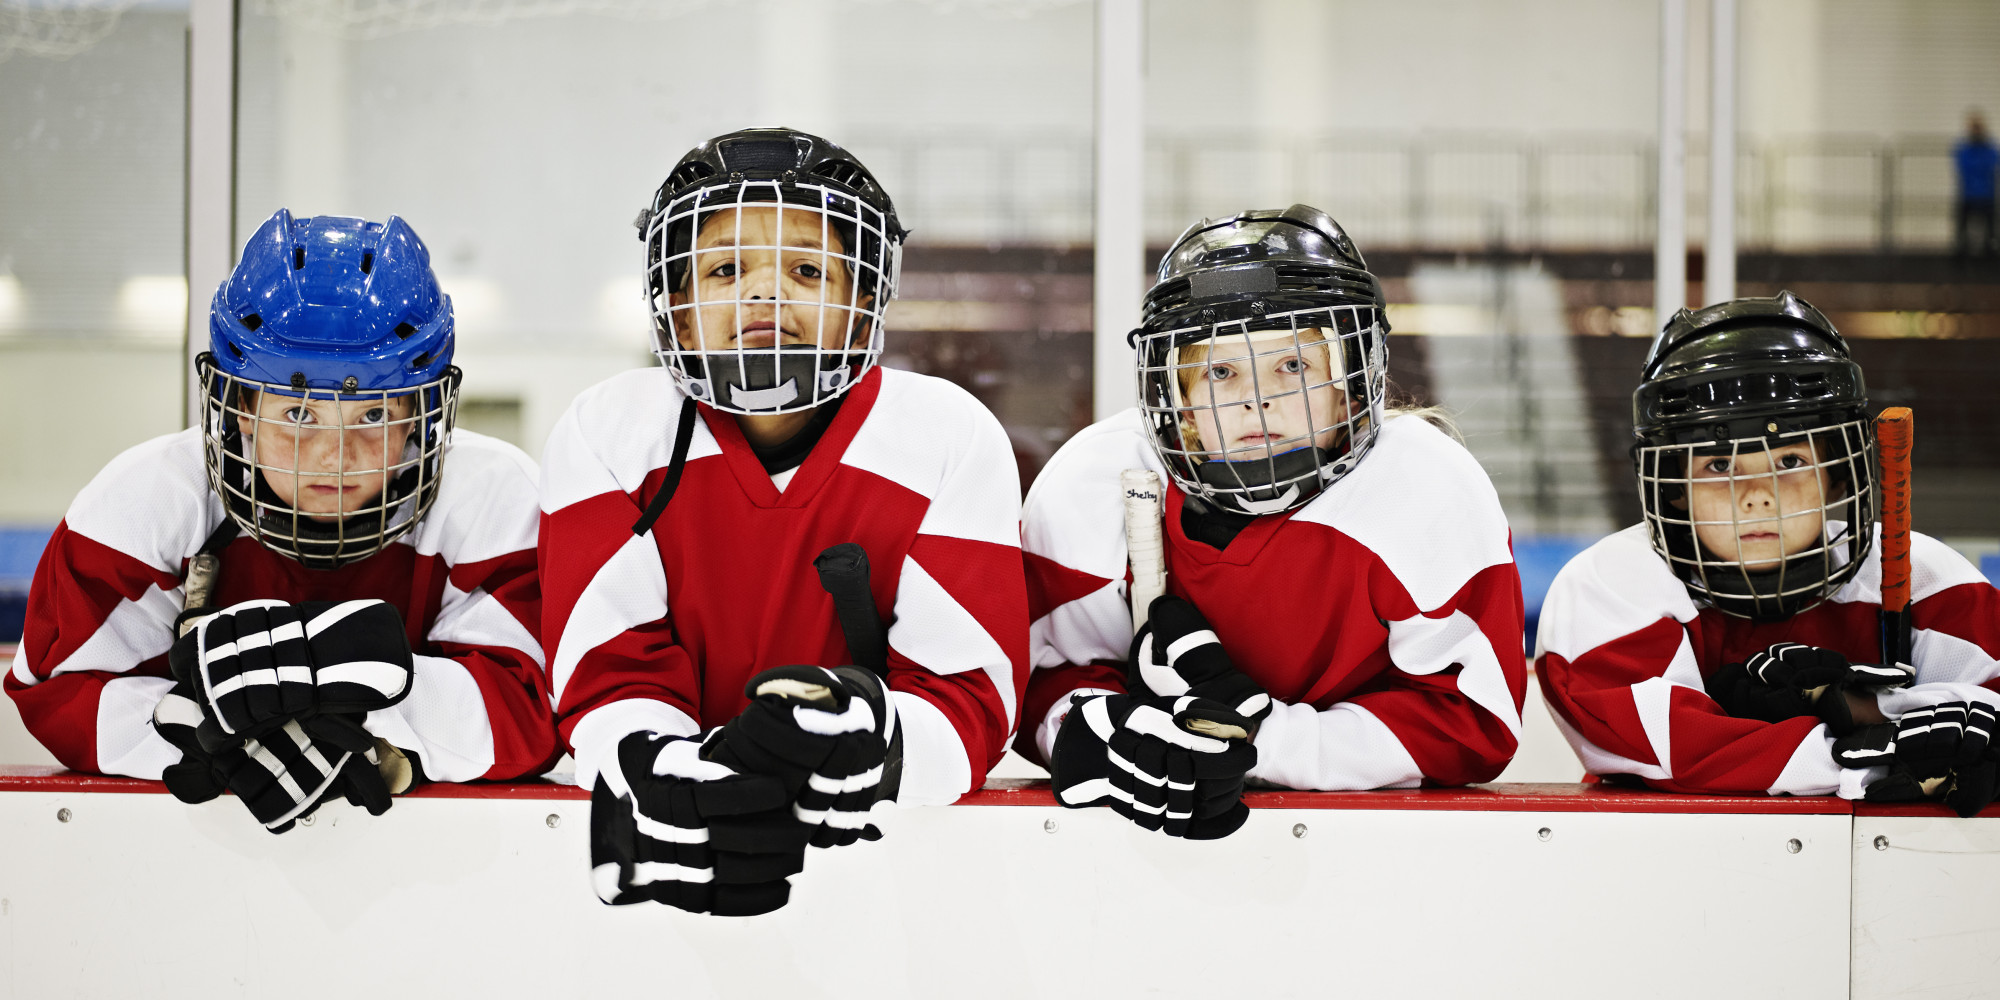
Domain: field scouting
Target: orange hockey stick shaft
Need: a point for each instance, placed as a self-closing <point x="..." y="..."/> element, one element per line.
<point x="1894" y="440"/>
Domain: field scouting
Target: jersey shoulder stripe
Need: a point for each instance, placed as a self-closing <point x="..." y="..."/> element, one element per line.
<point x="1614" y="588"/>
<point x="1421" y="503"/>
<point x="1934" y="567"/>
<point x="1075" y="512"/>
<point x="487" y="502"/>
<point x="936" y="440"/>
<point x="152" y="502"/>
<point x="614" y="435"/>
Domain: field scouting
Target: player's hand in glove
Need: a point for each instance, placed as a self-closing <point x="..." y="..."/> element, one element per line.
<point x="1176" y="653"/>
<point x="256" y="665"/>
<point x="830" y="735"/>
<point x="281" y="777"/>
<point x="1945" y="751"/>
<point x="1173" y="765"/>
<point x="1789" y="680"/>
<point x="670" y="826"/>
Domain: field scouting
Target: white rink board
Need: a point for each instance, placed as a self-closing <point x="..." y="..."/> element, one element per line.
<point x="140" y="895"/>
<point x="1926" y="920"/>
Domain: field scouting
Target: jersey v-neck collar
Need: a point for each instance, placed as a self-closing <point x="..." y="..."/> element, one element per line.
<point x="818" y="466"/>
<point x="1241" y="550"/>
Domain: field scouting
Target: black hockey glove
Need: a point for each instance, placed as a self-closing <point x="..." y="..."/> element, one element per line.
<point x="1945" y="751"/>
<point x="1823" y="678"/>
<point x="670" y="826"/>
<point x="1173" y="765"/>
<point x="255" y="665"/>
<point x="1790" y="680"/>
<point x="282" y="777"/>
<point x="830" y="735"/>
<point x="1744" y="697"/>
<point x="1176" y="653"/>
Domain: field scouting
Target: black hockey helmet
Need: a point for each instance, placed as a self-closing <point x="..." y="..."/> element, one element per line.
<point x="1258" y="262"/>
<point x="783" y="167"/>
<point x="1270" y="284"/>
<point x="1744" y="377"/>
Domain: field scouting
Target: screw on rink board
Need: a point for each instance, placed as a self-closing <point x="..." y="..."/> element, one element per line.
<point x="1881" y="843"/>
<point x="553" y="821"/>
<point x="62" y="815"/>
<point x="1545" y="833"/>
<point x="1794" y="846"/>
<point x="1299" y="830"/>
<point x="306" y="820"/>
<point x="1049" y="826"/>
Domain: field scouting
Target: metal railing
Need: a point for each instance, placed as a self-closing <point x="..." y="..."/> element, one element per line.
<point x="1431" y="191"/>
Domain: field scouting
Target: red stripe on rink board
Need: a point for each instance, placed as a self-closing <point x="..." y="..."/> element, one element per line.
<point x="1024" y="792"/>
<point x="15" y="778"/>
<point x="1932" y="810"/>
<point x="1477" y="798"/>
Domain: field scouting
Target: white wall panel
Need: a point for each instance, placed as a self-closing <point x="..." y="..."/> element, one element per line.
<point x="137" y="894"/>
<point x="1924" y="920"/>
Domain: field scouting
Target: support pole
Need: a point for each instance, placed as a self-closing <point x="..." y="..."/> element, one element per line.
<point x="1119" y="225"/>
<point x="211" y="169"/>
<point x="1719" y="282"/>
<point x="1670" y="240"/>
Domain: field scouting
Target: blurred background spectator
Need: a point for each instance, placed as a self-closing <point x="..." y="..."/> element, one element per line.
<point x="1975" y="158"/>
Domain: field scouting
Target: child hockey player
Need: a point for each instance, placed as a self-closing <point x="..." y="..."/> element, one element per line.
<point x="1342" y="609"/>
<point x="322" y="589"/>
<point x="724" y="537"/>
<point x="1733" y="641"/>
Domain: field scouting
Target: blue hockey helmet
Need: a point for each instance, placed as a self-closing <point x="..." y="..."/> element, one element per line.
<point x="332" y="303"/>
<point x="328" y="388"/>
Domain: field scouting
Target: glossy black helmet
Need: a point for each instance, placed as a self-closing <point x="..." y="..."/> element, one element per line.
<point x="804" y="205"/>
<point x="1755" y="454"/>
<point x="1263" y="359"/>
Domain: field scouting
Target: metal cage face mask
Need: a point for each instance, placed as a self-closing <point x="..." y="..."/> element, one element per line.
<point x="321" y="476"/>
<point x="1763" y="527"/>
<point x="1256" y="416"/>
<point x="769" y="296"/>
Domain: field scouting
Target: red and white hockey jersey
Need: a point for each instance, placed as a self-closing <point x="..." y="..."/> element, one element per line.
<point x="1384" y="616"/>
<point x="661" y="632"/>
<point x="92" y="663"/>
<point x="1622" y="653"/>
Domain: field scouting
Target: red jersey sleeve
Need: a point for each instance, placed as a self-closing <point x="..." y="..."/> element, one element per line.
<point x="614" y="665"/>
<point x="92" y="662"/>
<point x="480" y="707"/>
<point x="1622" y="678"/>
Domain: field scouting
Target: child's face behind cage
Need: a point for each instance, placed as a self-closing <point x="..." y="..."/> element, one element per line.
<point x="765" y="276"/>
<point x="1266" y="394"/>
<point x="1760" y="504"/>
<point x="324" y="458"/>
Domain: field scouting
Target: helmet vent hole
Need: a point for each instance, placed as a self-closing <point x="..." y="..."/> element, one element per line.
<point x="235" y="350"/>
<point x="690" y="173"/>
<point x="404" y="330"/>
<point x="251" y="321"/>
<point x="368" y="265"/>
<point x="848" y="174"/>
<point x="420" y="360"/>
<point x="298" y="258"/>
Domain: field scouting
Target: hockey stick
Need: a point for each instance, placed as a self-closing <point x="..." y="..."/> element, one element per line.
<point x="843" y="574"/>
<point x="1894" y="437"/>
<point x="1144" y="510"/>
<point x="1145" y="516"/>
<point x="204" y="574"/>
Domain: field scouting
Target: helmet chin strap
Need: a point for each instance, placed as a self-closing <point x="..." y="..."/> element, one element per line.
<point x="1262" y="507"/>
<point x="760" y="382"/>
<point x="1252" y="487"/>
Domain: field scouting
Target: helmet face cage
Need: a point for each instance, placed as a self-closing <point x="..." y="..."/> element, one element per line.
<point x="803" y="271"/>
<point x="270" y="447"/>
<point x="1805" y="499"/>
<point x="1256" y="415"/>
